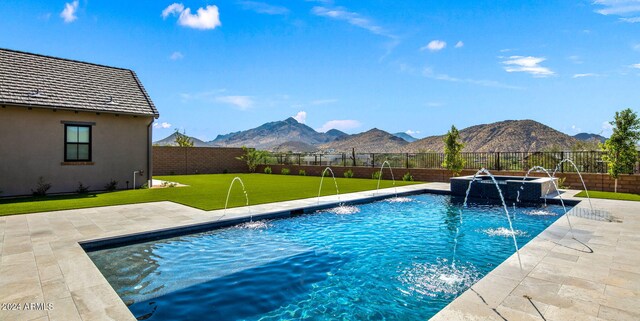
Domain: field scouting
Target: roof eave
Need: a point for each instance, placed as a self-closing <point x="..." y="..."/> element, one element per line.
<point x="84" y="110"/>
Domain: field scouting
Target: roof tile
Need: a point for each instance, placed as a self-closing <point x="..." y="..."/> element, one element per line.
<point x="70" y="84"/>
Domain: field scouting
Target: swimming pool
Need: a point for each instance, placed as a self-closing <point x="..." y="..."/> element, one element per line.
<point x="392" y="260"/>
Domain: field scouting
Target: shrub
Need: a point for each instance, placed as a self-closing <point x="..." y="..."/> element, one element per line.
<point x="41" y="187"/>
<point x="225" y="171"/>
<point x="111" y="186"/>
<point x="253" y="157"/>
<point x="285" y="171"/>
<point x="453" y="160"/>
<point x="169" y="184"/>
<point x="82" y="189"/>
<point x="560" y="183"/>
<point x="183" y="140"/>
<point x="302" y="172"/>
<point x="144" y="186"/>
<point x="407" y="177"/>
<point x="267" y="170"/>
<point x="348" y="174"/>
<point x="376" y="175"/>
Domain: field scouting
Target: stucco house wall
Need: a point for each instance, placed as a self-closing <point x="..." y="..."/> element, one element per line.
<point x="40" y="95"/>
<point x="33" y="146"/>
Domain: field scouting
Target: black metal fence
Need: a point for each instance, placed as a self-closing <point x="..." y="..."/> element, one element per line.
<point x="585" y="161"/>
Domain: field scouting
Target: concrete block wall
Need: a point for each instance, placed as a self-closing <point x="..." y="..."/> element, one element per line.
<point x="599" y="182"/>
<point x="169" y="160"/>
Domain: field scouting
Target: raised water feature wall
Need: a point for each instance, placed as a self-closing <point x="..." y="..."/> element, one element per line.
<point x="530" y="189"/>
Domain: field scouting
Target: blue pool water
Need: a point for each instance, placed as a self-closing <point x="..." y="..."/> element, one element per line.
<point x="388" y="260"/>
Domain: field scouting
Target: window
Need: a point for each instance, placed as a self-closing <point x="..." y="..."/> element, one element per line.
<point x="77" y="147"/>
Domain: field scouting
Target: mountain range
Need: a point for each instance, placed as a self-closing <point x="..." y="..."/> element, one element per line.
<point x="590" y="137"/>
<point x="291" y="136"/>
<point x="371" y="141"/>
<point x="406" y="137"/>
<point x="273" y="134"/>
<point x="518" y="135"/>
<point x="171" y="141"/>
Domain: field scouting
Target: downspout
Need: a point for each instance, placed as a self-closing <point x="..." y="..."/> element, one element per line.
<point x="149" y="153"/>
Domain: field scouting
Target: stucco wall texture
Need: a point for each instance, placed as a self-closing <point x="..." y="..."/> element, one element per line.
<point x="32" y="146"/>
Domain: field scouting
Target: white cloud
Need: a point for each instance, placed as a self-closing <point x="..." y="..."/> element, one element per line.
<point x="631" y="20"/>
<point x="626" y="10"/>
<point x="636" y="47"/>
<point x="323" y="101"/>
<point x="353" y="18"/>
<point x="412" y="132"/>
<point x="343" y="125"/>
<point x="264" y="8"/>
<point x="529" y="64"/>
<point x="301" y="117"/>
<point x="241" y="102"/>
<point x="177" y="55"/>
<point x="174" y="8"/>
<point x="637" y="66"/>
<point x="434" y="45"/>
<point x="428" y="72"/>
<point x="68" y="14"/>
<point x="584" y="75"/>
<point x="164" y="125"/>
<point x="459" y="44"/>
<point x="205" y="18"/>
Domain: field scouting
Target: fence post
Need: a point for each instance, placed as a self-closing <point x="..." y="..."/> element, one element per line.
<point x="498" y="161"/>
<point x="344" y="159"/>
<point x="299" y="159"/>
<point x="320" y="159"/>
<point x="561" y="159"/>
<point x="373" y="160"/>
<point x="407" y="158"/>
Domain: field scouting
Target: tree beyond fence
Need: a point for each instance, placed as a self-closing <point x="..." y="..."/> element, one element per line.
<point x="586" y="161"/>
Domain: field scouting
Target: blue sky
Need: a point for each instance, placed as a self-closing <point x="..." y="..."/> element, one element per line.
<point x="416" y="66"/>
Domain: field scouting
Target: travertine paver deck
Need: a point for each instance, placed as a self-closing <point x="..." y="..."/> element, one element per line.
<point x="595" y="276"/>
<point x="41" y="262"/>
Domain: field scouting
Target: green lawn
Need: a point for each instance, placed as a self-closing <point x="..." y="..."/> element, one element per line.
<point x="611" y="196"/>
<point x="207" y="192"/>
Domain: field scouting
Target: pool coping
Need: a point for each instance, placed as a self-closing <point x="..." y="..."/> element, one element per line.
<point x="42" y="260"/>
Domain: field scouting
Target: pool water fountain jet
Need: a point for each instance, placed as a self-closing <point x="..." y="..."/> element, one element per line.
<point x="579" y="175"/>
<point x="504" y="205"/>
<point x="334" y="182"/>
<point x="455" y="247"/>
<point x="555" y="186"/>
<point x="341" y="209"/>
<point x="396" y="199"/>
<point x="380" y="177"/>
<point x="246" y="196"/>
